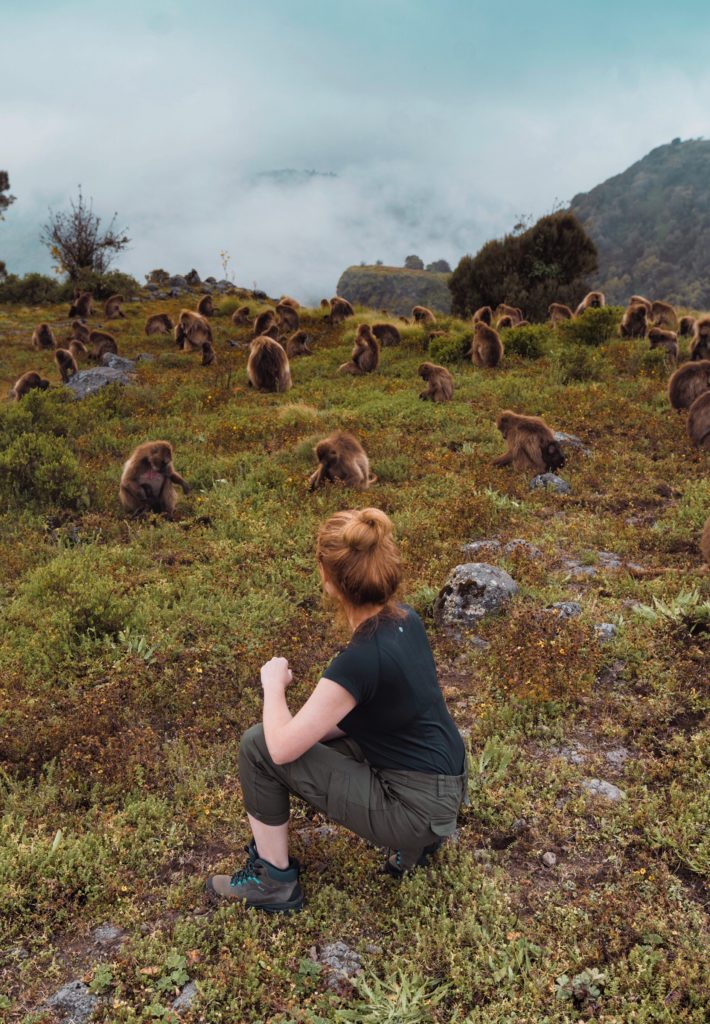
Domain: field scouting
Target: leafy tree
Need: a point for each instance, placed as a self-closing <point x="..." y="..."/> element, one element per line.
<point x="414" y="263"/>
<point x="548" y="262"/>
<point x="76" y="241"/>
<point x="5" y="201"/>
<point x="439" y="267"/>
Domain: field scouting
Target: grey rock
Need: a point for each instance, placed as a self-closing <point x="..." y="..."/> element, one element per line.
<point x="210" y="280"/>
<point x="601" y="788"/>
<point x="617" y="757"/>
<point x="117" y="362"/>
<point x="573" y="753"/>
<point x="478" y="547"/>
<point x="175" y="293"/>
<point x="206" y="289"/>
<point x="17" y="953"/>
<point x="549" y="859"/>
<point x="178" y="281"/>
<point x="193" y="278"/>
<point x="145" y="357"/>
<point x="73" y="1003"/>
<point x="342" y="963"/>
<point x="186" y="998"/>
<point x="108" y="935"/>
<point x="550" y="481"/>
<point x="605" y="631"/>
<point x="576" y="568"/>
<point x="571" y="441"/>
<point x="519" y="826"/>
<point x="567" y="609"/>
<point x="224" y="286"/>
<point x="151" y="287"/>
<point x="88" y="382"/>
<point x="471" y="592"/>
<point x="609" y="560"/>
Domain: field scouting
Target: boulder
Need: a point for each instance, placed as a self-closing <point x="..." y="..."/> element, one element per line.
<point x="178" y="281"/>
<point x="472" y="591"/>
<point x="186" y="998"/>
<point x="567" y="609"/>
<point x="116" y="362"/>
<point x="605" y="631"/>
<point x="550" y="482"/>
<point x="570" y="441"/>
<point x="72" y="1004"/>
<point x="193" y="278"/>
<point x="604" y="789"/>
<point x="88" y="382"/>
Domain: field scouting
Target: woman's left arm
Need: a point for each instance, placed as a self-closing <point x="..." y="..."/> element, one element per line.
<point x="288" y="736"/>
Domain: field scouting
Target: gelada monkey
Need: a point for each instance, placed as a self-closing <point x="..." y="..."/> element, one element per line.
<point x="148" y="477"/>
<point x="531" y="445"/>
<point x="342" y="458"/>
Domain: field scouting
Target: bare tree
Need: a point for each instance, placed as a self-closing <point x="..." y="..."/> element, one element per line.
<point x="76" y="241"/>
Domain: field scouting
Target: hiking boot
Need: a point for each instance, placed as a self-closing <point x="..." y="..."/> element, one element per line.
<point x="401" y="862"/>
<point x="259" y="884"/>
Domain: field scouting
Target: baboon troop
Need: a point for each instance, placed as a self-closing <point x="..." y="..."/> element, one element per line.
<point x="633" y="324"/>
<point x="486" y="348"/>
<point x="513" y="312"/>
<point x="700" y="345"/>
<point x="192" y="331"/>
<point x="667" y="340"/>
<point x="699" y="421"/>
<point x="66" y="364"/>
<point x="267" y="366"/>
<point x="423" y="315"/>
<point x="484" y="314"/>
<point x="288" y="319"/>
<point x="365" y="354"/>
<point x="687" y="382"/>
<point x="531" y="444"/>
<point x="386" y="334"/>
<point x="241" y="317"/>
<point x="594" y="300"/>
<point x="82" y="305"/>
<point x="440" y="383"/>
<point x="558" y="312"/>
<point x="148" y="477"/>
<point x="341" y="458"/>
<point x="298" y="345"/>
<point x="159" y="323"/>
<point x="26" y="383"/>
<point x="340" y="309"/>
<point x="205" y="307"/>
<point x="43" y="337"/>
<point x="112" y="307"/>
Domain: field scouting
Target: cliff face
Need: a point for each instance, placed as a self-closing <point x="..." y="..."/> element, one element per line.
<point x="651" y="226"/>
<point x="395" y="289"/>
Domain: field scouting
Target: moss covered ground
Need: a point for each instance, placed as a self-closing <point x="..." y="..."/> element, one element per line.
<point x="130" y="653"/>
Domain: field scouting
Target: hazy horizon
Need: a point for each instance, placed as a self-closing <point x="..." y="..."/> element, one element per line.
<point x="440" y="125"/>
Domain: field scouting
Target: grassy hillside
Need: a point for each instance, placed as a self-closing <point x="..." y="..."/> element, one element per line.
<point x="395" y="289"/>
<point x="651" y="225"/>
<point x="130" y="653"/>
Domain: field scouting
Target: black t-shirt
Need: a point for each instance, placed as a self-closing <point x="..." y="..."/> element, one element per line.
<point x="401" y="720"/>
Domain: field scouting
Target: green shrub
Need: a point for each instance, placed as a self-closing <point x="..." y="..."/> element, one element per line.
<point x="528" y="342"/>
<point x="593" y="327"/>
<point x="102" y="285"/>
<point x="450" y="348"/>
<point x="31" y="290"/>
<point x="41" y="471"/>
<point x="575" y="363"/>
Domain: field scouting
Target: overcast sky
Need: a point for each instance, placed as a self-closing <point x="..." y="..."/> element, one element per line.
<point x="443" y="120"/>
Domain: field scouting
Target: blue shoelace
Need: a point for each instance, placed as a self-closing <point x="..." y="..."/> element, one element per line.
<point x="243" y="876"/>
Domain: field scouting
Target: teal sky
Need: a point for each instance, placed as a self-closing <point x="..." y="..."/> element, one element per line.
<point x="442" y="121"/>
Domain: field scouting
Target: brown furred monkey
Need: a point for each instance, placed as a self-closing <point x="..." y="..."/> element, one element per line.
<point x="699" y="421"/>
<point x="686" y="326"/>
<point x="592" y="300"/>
<point x="440" y="383"/>
<point x="192" y="331"/>
<point x="325" y="303"/>
<point x="531" y="444"/>
<point x="148" y="477"/>
<point x="80" y="331"/>
<point x="263" y="321"/>
<point x="287" y="317"/>
<point x="26" y="383"/>
<point x="667" y="340"/>
<point x="340" y="309"/>
<point x="267" y="367"/>
<point x="66" y="364"/>
<point x="664" y="315"/>
<point x="503" y="323"/>
<point x="78" y="349"/>
<point x="557" y="312"/>
<point x="512" y="311"/>
<point x="705" y="543"/>
<point x="205" y="307"/>
<point x="687" y="382"/>
<point x="638" y="300"/>
<point x="241" y="317"/>
<point x="700" y="345"/>
<point x="82" y="305"/>
<point x="286" y="300"/>
<point x="208" y="354"/>
<point x="102" y="343"/>
<point x="386" y="334"/>
<point x="423" y="315"/>
<point x="633" y="322"/>
<point x="159" y="323"/>
<point x="484" y="313"/>
<point x="43" y="337"/>
<point x="341" y="458"/>
<point x="486" y="347"/>
<point x="112" y="307"/>
<point x="365" y="354"/>
<point x="298" y="345"/>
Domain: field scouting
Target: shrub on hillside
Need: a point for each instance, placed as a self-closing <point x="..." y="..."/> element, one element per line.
<point x="529" y="342"/>
<point x="41" y="472"/>
<point x="594" y="327"/>
<point x="575" y="363"/>
<point x="102" y="285"/>
<point x="31" y="290"/>
<point x="450" y="348"/>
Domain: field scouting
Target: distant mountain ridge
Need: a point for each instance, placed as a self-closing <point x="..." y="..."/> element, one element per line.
<point x="395" y="289"/>
<point x="651" y="226"/>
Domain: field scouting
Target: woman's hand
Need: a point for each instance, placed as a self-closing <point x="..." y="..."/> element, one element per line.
<point x="276" y="673"/>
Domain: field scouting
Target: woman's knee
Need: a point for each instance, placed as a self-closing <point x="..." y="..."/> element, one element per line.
<point x="252" y="745"/>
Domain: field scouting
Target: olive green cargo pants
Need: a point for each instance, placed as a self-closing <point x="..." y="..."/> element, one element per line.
<point x="403" y="810"/>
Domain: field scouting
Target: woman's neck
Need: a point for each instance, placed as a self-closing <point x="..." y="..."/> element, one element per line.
<point x="357" y="614"/>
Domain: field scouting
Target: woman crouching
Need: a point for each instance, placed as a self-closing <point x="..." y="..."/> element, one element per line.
<point x="374" y="747"/>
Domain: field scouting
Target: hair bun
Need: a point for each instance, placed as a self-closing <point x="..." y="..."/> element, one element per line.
<point x="367" y="529"/>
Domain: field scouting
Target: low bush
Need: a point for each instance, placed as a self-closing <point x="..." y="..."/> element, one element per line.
<point x="575" y="363"/>
<point x="451" y="348"/>
<point x="42" y="472"/>
<point x="529" y="342"/>
<point x="102" y="285"/>
<point x="594" y="327"/>
<point x="31" y="290"/>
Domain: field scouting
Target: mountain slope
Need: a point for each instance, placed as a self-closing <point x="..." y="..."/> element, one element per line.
<point x="396" y="289"/>
<point x="651" y="225"/>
